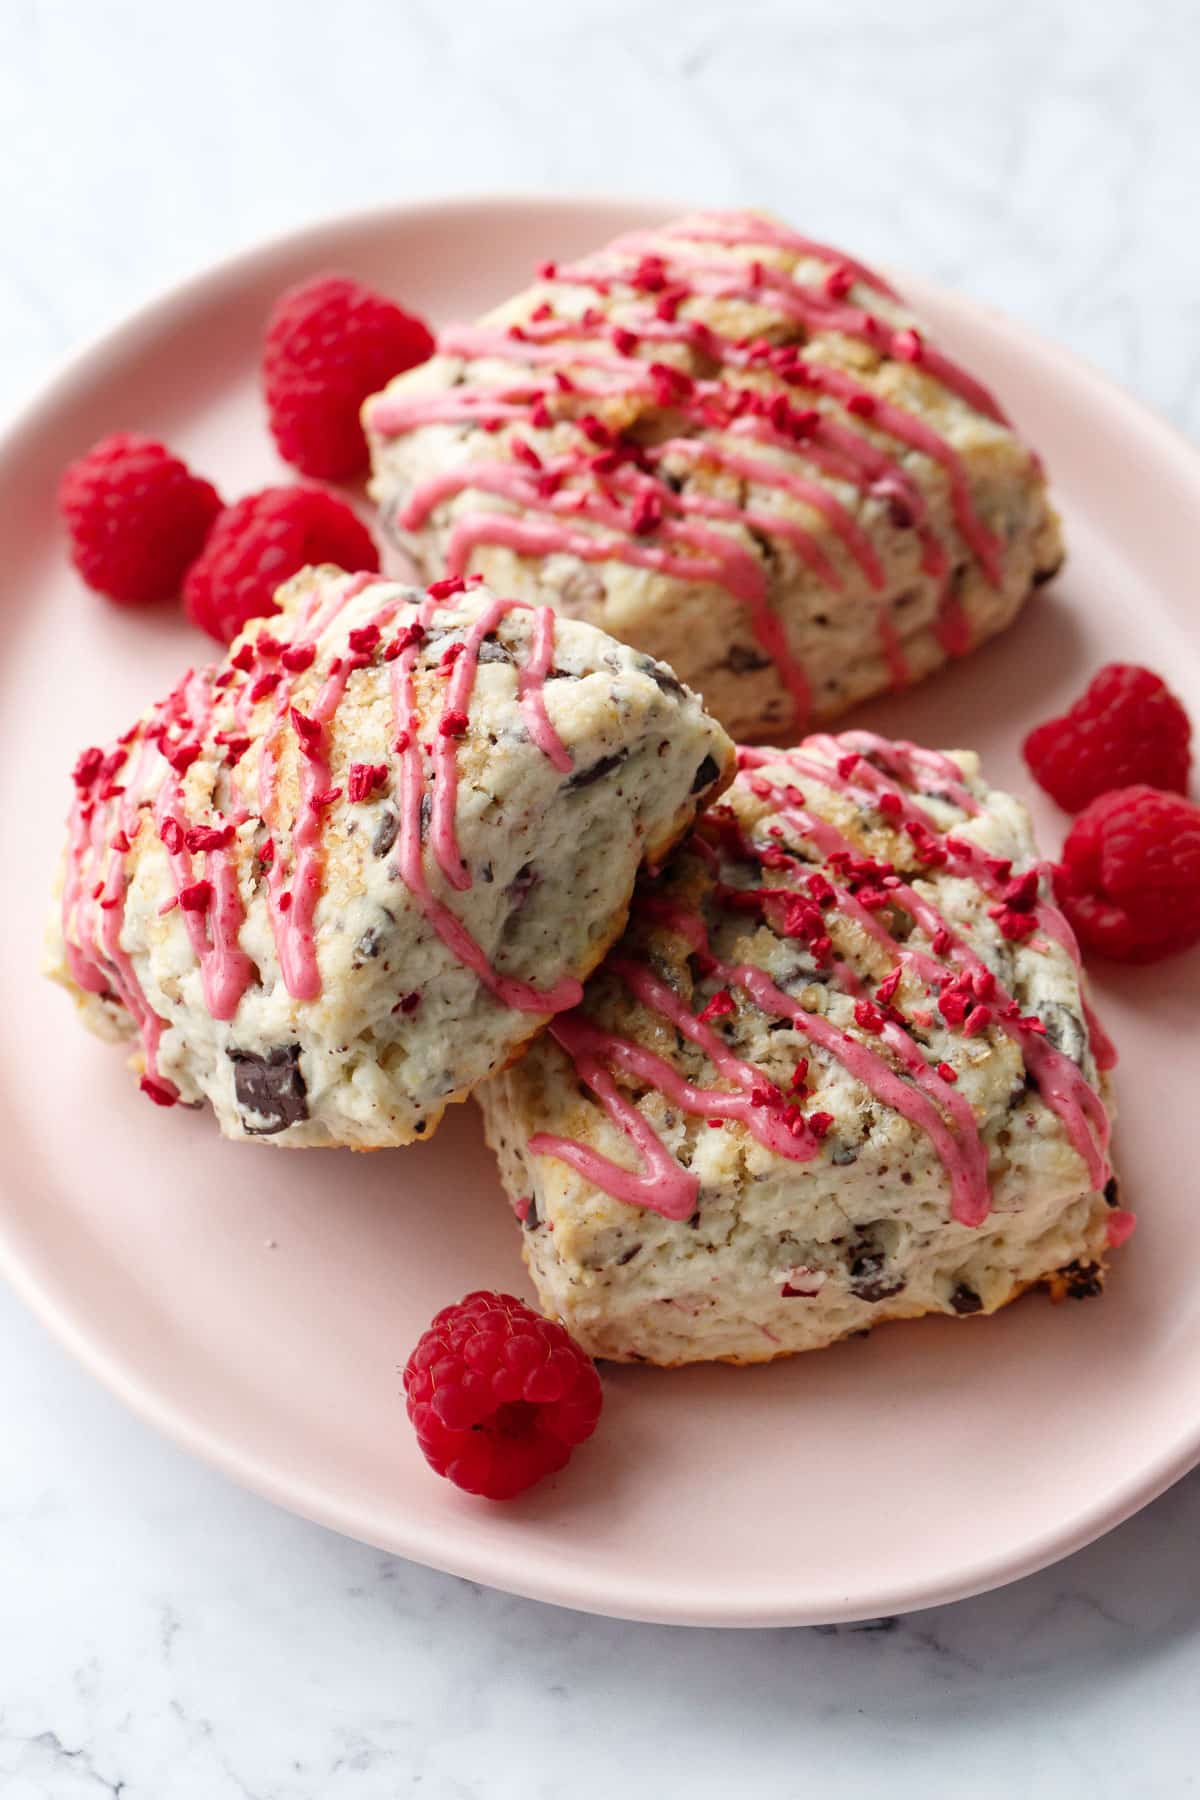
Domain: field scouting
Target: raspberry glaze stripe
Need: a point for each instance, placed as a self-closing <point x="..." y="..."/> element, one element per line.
<point x="154" y="757"/>
<point x="964" y="990"/>
<point x="564" y="503"/>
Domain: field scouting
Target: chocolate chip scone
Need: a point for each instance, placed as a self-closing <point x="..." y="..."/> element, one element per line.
<point x="333" y="882"/>
<point x="732" y="447"/>
<point x="839" y="1070"/>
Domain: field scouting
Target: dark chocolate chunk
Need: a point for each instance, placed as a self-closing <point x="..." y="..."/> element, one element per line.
<point x="385" y="832"/>
<point x="521" y="886"/>
<point x="1082" y="1280"/>
<point x="585" y="777"/>
<point x="965" y="1300"/>
<point x="1112" y="1191"/>
<point x="843" y="1155"/>
<point x="271" y="1088"/>
<point x="531" y="1220"/>
<point x="1065" y="1029"/>
<point x="660" y="675"/>
<point x="369" y="943"/>
<point x="869" y="1282"/>
<point x="490" y="651"/>
<point x="706" y="774"/>
<point x="426" y="814"/>
<point x="628" y="1255"/>
<point x="745" y="662"/>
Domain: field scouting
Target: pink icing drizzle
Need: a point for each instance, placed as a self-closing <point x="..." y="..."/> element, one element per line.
<point x="520" y="995"/>
<point x="95" y="885"/>
<point x="829" y="443"/>
<point x="925" y="1098"/>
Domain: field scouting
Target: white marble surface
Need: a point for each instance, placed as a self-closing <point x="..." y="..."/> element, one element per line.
<point x="165" y="1637"/>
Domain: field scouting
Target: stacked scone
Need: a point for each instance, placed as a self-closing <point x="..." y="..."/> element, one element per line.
<point x="839" y="1068"/>
<point x="332" y="883"/>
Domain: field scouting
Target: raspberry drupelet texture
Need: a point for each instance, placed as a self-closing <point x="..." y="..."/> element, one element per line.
<point x="330" y="343"/>
<point x="1127" y="728"/>
<point x="137" y="517"/>
<point x="498" y="1396"/>
<point x="1129" y="880"/>
<point x="261" y="541"/>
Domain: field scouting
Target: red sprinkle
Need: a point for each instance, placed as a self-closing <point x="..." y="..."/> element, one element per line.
<point x="525" y="453"/>
<point x="157" y="1091"/>
<point x="819" y="1123"/>
<point x="196" y="897"/>
<point x="908" y="346"/>
<point x="442" y="590"/>
<point x="264" y="684"/>
<point x="208" y="837"/>
<point x="453" y="723"/>
<point x="363" y="639"/>
<point x="180" y="756"/>
<point x="285" y="902"/>
<point x="885" y="992"/>
<point x="647" y="515"/>
<point x="1014" y="925"/>
<point x="298" y="657"/>
<point x="307" y="730"/>
<point x="718" y="1007"/>
<point x="861" y="405"/>
<point x="978" y="1021"/>
<point x="363" y="779"/>
<point x="88" y="766"/>
<point x="868" y="1016"/>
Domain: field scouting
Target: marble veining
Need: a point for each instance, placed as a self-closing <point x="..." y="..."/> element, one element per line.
<point x="167" y="1637"/>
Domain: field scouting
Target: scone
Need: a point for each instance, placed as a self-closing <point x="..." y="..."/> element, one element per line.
<point x="733" y="447"/>
<point x="840" y="1069"/>
<point x="331" y="884"/>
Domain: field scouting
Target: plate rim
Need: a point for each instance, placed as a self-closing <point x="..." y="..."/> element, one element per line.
<point x="640" y="1599"/>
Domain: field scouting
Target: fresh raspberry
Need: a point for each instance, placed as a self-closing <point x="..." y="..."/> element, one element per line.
<point x="498" y="1396"/>
<point x="260" y="541"/>
<point x="1129" y="880"/>
<point x="137" y="517"/>
<point x="330" y="343"/>
<point x="1128" y="728"/>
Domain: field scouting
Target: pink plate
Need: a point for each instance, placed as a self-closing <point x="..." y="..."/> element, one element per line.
<point x="255" y="1305"/>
